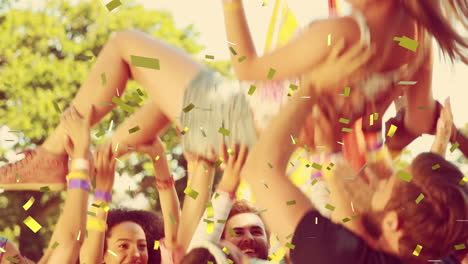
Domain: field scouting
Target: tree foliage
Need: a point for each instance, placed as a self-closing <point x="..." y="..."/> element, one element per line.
<point x="45" y="56"/>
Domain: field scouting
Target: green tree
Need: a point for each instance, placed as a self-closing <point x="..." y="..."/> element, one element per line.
<point x="45" y="55"/>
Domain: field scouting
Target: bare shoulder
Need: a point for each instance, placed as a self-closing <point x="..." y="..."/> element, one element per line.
<point x="339" y="27"/>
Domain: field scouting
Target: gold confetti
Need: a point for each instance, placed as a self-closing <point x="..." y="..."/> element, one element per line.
<point x="190" y="192"/>
<point x="419" y="199"/>
<point x="460" y="247"/>
<point x="231" y="231"/>
<point x="346" y="219"/>
<point x="291" y="246"/>
<point x="463" y="181"/>
<point x="344" y="121"/>
<point x="348" y="130"/>
<point x="293" y="202"/>
<point x="316" y="166"/>
<point x="347" y="91"/>
<point x="435" y="167"/>
<point x="224" y="131"/>
<point x="241" y="59"/>
<point x="29" y="203"/>
<point x="225" y="250"/>
<point x="56" y="244"/>
<point x="271" y="73"/>
<point x="417" y="250"/>
<point x="404" y="176"/>
<point x="407" y="43"/>
<point x="188" y="108"/>
<point x="392" y="130"/>
<point x="184" y="130"/>
<point x="32" y="224"/>
<point x="145" y="62"/>
<point x="330" y="207"/>
<point x="113" y="5"/>
<point x="454" y="147"/>
<point x="233" y="51"/>
<point x="209" y="57"/>
<point x="252" y="89"/>
<point x="156" y="245"/>
<point x="209" y="210"/>
<point x="134" y="129"/>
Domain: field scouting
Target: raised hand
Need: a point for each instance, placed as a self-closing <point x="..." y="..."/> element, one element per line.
<point x="77" y="132"/>
<point x="235" y="162"/>
<point x="104" y="160"/>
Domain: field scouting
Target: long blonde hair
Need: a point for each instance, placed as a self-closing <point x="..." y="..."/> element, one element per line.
<point x="437" y="17"/>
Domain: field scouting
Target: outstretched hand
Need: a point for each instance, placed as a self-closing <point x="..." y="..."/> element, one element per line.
<point x="339" y="68"/>
<point x="234" y="162"/>
<point x="105" y="168"/>
<point x="77" y="132"/>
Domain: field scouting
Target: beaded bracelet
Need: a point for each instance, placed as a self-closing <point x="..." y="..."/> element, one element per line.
<point x="102" y="195"/>
<point x="79" y="184"/>
<point x="162" y="185"/>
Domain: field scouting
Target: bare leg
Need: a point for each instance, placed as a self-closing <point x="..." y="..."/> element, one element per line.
<point x="165" y="86"/>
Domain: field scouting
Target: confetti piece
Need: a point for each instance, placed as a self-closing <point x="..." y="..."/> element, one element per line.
<point x="314" y="181"/>
<point x="225" y="250"/>
<point x="100" y="133"/>
<point x="29" y="203"/>
<point x="344" y="121"/>
<point x="233" y="51"/>
<point x="454" y="146"/>
<point x="230" y="261"/>
<point x="91" y="213"/>
<point x="103" y="78"/>
<point x="145" y="62"/>
<point x="184" y="130"/>
<point x="190" y="192"/>
<point x="221" y="221"/>
<point x="216" y="196"/>
<point x="156" y="245"/>
<point x="330" y="207"/>
<point x="57" y="108"/>
<point x="404" y="176"/>
<point x="376" y="116"/>
<point x="435" y="167"/>
<point x="293" y="202"/>
<point x="122" y="105"/>
<point x="134" y="129"/>
<point x="371" y="120"/>
<point x="420" y="197"/>
<point x="329" y="39"/>
<point x="271" y="73"/>
<point x="209" y="210"/>
<point x="346" y="219"/>
<point x="355" y="217"/>
<point x="261" y="212"/>
<point x="407" y="43"/>
<point x="252" y="89"/>
<point x="140" y="92"/>
<point x="417" y="250"/>
<point x="316" y="220"/>
<point x="291" y="246"/>
<point x="218" y="162"/>
<point x="224" y="131"/>
<point x="188" y="108"/>
<point x="316" y="166"/>
<point x="113" y="5"/>
<point x="203" y="132"/>
<point x="210" y="262"/>
<point x="32" y="224"/>
<point x="407" y="83"/>
<point x="347" y="91"/>
<point x="230" y="151"/>
<point x="112" y="252"/>
<point x="79" y="235"/>
<point x="463" y="181"/>
<point x="56" y="244"/>
<point x="266" y="186"/>
<point x="111" y="125"/>
<point x="460" y="247"/>
<point x="173" y="220"/>
<point x="241" y="59"/>
<point x="392" y="130"/>
<point x="423" y="107"/>
<point x="210" y="57"/>
<point x="231" y="231"/>
<point x="12" y="259"/>
<point x="269" y="165"/>
<point x="45" y="189"/>
<point x="307" y="148"/>
<point x="330" y="166"/>
<point x="348" y="130"/>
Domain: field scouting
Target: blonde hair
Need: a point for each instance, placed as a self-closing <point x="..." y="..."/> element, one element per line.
<point x="437" y="17"/>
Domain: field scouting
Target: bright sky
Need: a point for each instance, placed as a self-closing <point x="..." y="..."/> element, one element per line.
<point x="207" y="17"/>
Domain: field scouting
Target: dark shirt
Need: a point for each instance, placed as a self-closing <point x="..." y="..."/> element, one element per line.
<point x="330" y="243"/>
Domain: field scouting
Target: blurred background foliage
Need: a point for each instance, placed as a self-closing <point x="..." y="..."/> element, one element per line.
<point x="44" y="57"/>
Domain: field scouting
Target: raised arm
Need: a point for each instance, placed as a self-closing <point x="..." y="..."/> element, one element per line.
<point x="292" y="60"/>
<point x="444" y="130"/>
<point x="200" y="180"/>
<point x="92" y="250"/>
<point x="170" y="206"/>
<point x="64" y="246"/>
<point x="223" y="199"/>
<point x="268" y="159"/>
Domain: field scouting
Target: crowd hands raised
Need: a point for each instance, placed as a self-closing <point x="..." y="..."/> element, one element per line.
<point x="372" y="216"/>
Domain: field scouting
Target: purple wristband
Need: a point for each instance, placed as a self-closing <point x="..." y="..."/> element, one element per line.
<point x="376" y="146"/>
<point x="102" y="195"/>
<point x="79" y="184"/>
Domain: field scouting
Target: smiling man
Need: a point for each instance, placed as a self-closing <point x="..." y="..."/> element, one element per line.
<point x="246" y="230"/>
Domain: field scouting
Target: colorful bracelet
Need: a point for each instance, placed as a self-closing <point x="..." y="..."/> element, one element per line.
<point x="162" y="185"/>
<point x="102" y="195"/>
<point x="79" y="184"/>
<point x="231" y="195"/>
<point x="96" y="224"/>
<point x="77" y="175"/>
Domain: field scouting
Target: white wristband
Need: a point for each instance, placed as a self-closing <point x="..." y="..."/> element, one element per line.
<point x="80" y="164"/>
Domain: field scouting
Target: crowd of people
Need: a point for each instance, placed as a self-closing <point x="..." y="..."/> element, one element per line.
<point x="396" y="216"/>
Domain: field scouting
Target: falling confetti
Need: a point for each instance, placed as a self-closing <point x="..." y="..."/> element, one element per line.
<point x="209" y="57"/>
<point x="392" y="130"/>
<point x="407" y="43"/>
<point x="32" y="224"/>
<point x="145" y="62"/>
<point x="134" y="129"/>
<point x="417" y="250"/>
<point x="29" y="203"/>
<point x="188" y="108"/>
<point x="252" y="89"/>
<point x="271" y="73"/>
<point x="113" y="5"/>
<point x="419" y="199"/>
<point x="404" y="176"/>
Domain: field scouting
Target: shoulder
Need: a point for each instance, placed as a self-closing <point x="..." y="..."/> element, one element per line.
<point x="339" y="27"/>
